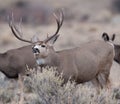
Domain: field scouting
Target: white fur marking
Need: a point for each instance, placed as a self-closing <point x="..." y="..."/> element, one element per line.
<point x="40" y="61"/>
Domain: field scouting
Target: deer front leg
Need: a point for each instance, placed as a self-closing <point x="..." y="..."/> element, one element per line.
<point x="95" y="82"/>
<point x="104" y="81"/>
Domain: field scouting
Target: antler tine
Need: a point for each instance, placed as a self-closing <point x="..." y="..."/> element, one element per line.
<point x="15" y="30"/>
<point x="62" y="17"/>
<point x="59" y="24"/>
<point x="59" y="20"/>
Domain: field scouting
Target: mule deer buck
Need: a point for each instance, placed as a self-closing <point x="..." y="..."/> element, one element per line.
<point x="90" y="61"/>
<point x="13" y="62"/>
<point x="116" y="47"/>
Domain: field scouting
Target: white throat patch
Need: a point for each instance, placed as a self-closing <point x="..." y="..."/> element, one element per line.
<point x="40" y="61"/>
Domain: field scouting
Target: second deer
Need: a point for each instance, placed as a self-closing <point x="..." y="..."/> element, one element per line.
<point x="116" y="47"/>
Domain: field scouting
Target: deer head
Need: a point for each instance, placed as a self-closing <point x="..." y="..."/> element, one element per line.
<point x="40" y="48"/>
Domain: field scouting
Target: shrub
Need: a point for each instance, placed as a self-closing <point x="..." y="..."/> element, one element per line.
<point x="6" y="95"/>
<point x="47" y="87"/>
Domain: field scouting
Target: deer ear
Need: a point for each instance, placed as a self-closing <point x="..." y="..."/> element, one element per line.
<point x="105" y="36"/>
<point x="35" y="39"/>
<point x="113" y="37"/>
<point x="53" y="40"/>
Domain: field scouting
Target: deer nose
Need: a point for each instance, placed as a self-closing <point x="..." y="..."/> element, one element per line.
<point x="35" y="50"/>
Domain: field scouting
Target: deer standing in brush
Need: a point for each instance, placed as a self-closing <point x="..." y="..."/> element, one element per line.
<point x="89" y="61"/>
<point x="13" y="62"/>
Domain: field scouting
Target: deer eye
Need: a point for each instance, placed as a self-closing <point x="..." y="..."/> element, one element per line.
<point x="42" y="45"/>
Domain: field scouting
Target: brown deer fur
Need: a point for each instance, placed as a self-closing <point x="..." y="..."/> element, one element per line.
<point x="90" y="61"/>
<point x="14" y="61"/>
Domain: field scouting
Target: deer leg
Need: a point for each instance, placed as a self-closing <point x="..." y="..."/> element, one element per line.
<point x="101" y="80"/>
<point x="104" y="80"/>
<point x="95" y="82"/>
<point x="107" y="73"/>
<point x="108" y="83"/>
<point x="21" y="89"/>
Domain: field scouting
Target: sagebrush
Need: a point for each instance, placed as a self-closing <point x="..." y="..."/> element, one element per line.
<point x="47" y="87"/>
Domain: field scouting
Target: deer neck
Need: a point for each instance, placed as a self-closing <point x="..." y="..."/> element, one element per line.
<point x="51" y="60"/>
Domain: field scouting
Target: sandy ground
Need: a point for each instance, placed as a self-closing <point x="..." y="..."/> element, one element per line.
<point x="74" y="32"/>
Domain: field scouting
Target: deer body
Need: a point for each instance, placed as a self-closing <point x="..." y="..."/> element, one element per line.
<point x="82" y="63"/>
<point x="13" y="62"/>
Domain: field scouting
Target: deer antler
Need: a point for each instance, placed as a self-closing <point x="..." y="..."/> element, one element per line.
<point x="59" y="24"/>
<point x="16" y="31"/>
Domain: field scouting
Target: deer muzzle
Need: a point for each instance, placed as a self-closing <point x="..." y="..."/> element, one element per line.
<point x="35" y="50"/>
